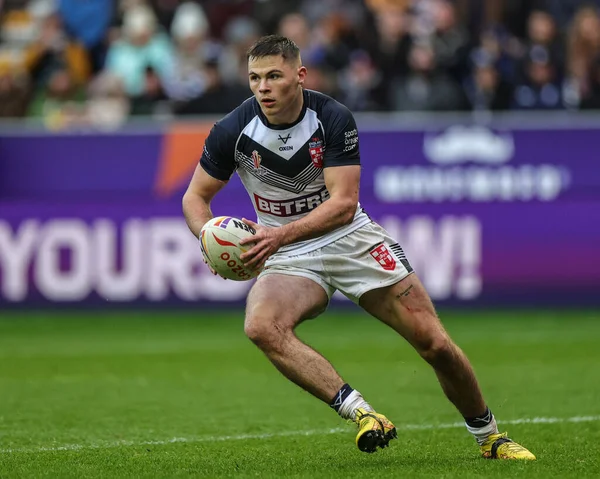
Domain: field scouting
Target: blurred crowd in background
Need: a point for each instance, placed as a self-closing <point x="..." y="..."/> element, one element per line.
<point x="99" y="62"/>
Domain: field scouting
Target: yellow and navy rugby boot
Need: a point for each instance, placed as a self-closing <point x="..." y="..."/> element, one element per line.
<point x="374" y="430"/>
<point x="499" y="446"/>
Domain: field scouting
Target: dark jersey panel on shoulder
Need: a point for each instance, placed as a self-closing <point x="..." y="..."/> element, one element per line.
<point x="287" y="156"/>
<point x="341" y="133"/>
<point x="218" y="155"/>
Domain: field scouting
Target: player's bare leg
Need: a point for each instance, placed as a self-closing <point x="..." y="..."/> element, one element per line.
<point x="407" y="308"/>
<point x="276" y="305"/>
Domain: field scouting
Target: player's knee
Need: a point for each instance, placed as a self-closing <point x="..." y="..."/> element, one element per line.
<point x="437" y="349"/>
<point x="265" y="332"/>
<point x="257" y="331"/>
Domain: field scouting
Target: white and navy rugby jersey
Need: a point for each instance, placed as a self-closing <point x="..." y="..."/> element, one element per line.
<point x="281" y="166"/>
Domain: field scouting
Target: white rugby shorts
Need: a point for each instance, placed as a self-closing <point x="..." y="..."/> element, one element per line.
<point x="366" y="259"/>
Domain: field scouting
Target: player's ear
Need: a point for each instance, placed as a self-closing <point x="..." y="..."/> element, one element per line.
<point x="301" y="75"/>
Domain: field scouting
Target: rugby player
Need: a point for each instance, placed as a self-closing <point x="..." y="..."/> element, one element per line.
<point x="297" y="154"/>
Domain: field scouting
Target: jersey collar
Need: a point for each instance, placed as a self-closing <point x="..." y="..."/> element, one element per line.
<point x="284" y="126"/>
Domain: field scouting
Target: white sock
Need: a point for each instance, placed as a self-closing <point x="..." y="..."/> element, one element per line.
<point x="482" y="433"/>
<point x="351" y="404"/>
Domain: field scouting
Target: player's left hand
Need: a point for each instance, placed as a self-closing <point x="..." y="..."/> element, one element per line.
<point x="267" y="241"/>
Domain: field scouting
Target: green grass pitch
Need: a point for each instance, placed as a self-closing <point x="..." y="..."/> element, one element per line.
<point x="185" y="394"/>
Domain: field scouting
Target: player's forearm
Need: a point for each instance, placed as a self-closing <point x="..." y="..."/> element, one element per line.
<point x="328" y="216"/>
<point x="196" y="212"/>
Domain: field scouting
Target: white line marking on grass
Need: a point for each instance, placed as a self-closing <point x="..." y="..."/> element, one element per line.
<point x="310" y="432"/>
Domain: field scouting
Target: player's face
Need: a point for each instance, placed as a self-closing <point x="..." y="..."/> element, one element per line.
<point x="277" y="86"/>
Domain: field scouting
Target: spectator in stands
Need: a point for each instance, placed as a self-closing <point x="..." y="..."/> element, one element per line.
<point x="591" y="101"/>
<point x="53" y="50"/>
<point x="108" y="105"/>
<point x="540" y="88"/>
<point x="14" y="92"/>
<point x="352" y="11"/>
<point x="189" y="30"/>
<point x="423" y="13"/>
<point x="563" y="11"/>
<point x="191" y="54"/>
<point x="426" y="88"/>
<point x="221" y="12"/>
<point x="388" y="47"/>
<point x="165" y="12"/>
<point x="320" y="42"/>
<point x="60" y="103"/>
<point x="513" y="15"/>
<point x="270" y="12"/>
<point x="449" y="40"/>
<point x="88" y="22"/>
<point x="152" y="100"/>
<point x="359" y="83"/>
<point x="239" y="34"/>
<point x="583" y="49"/>
<point x="321" y="76"/>
<point x="497" y="46"/>
<point x="218" y="97"/>
<point x="542" y="32"/>
<point x="486" y="90"/>
<point x="141" y="46"/>
<point x="333" y="40"/>
<point x="294" y="26"/>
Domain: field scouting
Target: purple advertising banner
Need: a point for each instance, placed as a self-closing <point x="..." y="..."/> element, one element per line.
<point x="487" y="217"/>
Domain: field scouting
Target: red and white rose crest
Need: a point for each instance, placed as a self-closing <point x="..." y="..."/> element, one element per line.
<point x="315" y="148"/>
<point x="256" y="159"/>
<point x="383" y="256"/>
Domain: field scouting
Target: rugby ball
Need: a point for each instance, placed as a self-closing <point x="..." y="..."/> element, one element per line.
<point x="220" y="243"/>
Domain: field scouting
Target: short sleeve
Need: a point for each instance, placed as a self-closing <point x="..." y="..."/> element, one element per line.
<point x="218" y="156"/>
<point x="341" y="137"/>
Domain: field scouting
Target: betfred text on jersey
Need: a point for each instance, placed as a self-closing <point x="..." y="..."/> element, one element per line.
<point x="293" y="207"/>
